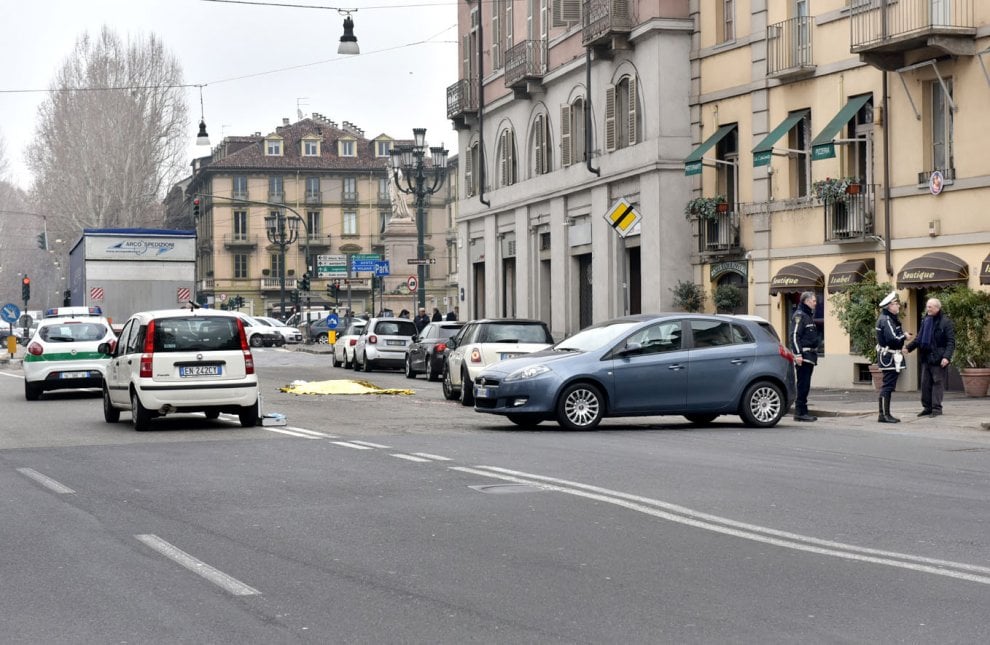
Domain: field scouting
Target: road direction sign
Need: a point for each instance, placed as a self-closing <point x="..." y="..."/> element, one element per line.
<point x="334" y="265"/>
<point x="413" y="283"/>
<point x="364" y="261"/>
<point x="422" y="260"/>
<point x="382" y="269"/>
<point x="10" y="313"/>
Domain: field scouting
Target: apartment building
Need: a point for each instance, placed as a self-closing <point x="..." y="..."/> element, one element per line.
<point x="794" y="102"/>
<point x="331" y="181"/>
<point x="573" y="119"/>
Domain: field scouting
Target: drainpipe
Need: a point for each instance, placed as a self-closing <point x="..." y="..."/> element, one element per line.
<point x="886" y="177"/>
<point x="587" y="115"/>
<point x="481" y="112"/>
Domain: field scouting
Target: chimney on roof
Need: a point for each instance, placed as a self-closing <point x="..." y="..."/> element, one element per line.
<point x="285" y="120"/>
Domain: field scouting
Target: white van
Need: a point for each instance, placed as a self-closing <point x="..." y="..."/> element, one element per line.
<point x="307" y="315"/>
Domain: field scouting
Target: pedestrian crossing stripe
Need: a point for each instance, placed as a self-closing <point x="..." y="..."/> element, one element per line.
<point x="622" y="217"/>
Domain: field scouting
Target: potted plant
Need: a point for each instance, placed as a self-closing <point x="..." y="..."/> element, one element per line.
<point x="706" y="207"/>
<point x="969" y="311"/>
<point x="266" y="272"/>
<point x="856" y="309"/>
<point x="726" y="298"/>
<point x="831" y="190"/>
<point x="688" y="296"/>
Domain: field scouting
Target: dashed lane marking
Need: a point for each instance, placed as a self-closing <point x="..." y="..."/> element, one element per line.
<point x="46" y="481"/>
<point x="292" y="433"/>
<point x="410" y="458"/>
<point x="348" y="444"/>
<point x="369" y="444"/>
<point x="433" y="457"/>
<point x="231" y="585"/>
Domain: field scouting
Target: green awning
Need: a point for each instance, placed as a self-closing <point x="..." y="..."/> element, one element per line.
<point x="822" y="146"/>
<point x="692" y="165"/>
<point x="764" y="149"/>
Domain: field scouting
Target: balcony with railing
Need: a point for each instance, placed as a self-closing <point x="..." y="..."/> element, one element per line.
<point x="273" y="284"/>
<point x="525" y="63"/>
<point x="349" y="197"/>
<point x="462" y="101"/>
<point x="276" y="198"/>
<point x="314" y="197"/>
<point x="789" y="48"/>
<point x="384" y="198"/>
<point x="883" y="31"/>
<point x="851" y="218"/>
<point x="605" y="20"/>
<point x="240" y="195"/>
<point x="315" y="241"/>
<point x="718" y="234"/>
<point x="240" y="241"/>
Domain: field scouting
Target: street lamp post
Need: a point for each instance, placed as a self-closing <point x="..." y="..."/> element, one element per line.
<point x="411" y="160"/>
<point x="282" y="231"/>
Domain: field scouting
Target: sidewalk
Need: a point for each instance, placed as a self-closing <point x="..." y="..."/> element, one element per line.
<point x="960" y="411"/>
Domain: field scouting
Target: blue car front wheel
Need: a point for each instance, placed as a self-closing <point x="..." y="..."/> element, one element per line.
<point x="581" y="406"/>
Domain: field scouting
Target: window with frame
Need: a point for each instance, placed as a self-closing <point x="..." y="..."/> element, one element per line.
<point x="275" y="263"/>
<point x="565" y="13"/>
<point x="240" y="265"/>
<point x="939" y="125"/>
<point x="273" y="147"/>
<point x="498" y="7"/>
<point x="622" y="122"/>
<point x="313" y="221"/>
<point x="350" y="223"/>
<point x="312" y="187"/>
<point x="726" y="174"/>
<point x="240" y="225"/>
<point x="383" y="148"/>
<point x="346" y="148"/>
<point x="572" y="133"/>
<point x="383" y="195"/>
<point x="799" y="145"/>
<point x="506" y="161"/>
<point x="239" y="187"/>
<point x="541" y="162"/>
<point x="350" y="189"/>
<point x="311" y="148"/>
<point x="276" y="185"/>
<point x="472" y="170"/>
<point x="725" y="20"/>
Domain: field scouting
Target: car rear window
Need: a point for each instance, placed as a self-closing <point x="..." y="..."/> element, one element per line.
<point x="395" y="328"/>
<point x="72" y="332"/>
<point x="196" y="333"/>
<point x="515" y="333"/>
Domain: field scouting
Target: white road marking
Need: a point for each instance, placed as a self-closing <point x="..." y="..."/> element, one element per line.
<point x="46" y="481"/>
<point x="347" y="444"/>
<point x="410" y="457"/>
<point x="291" y="433"/>
<point x="20" y="376"/>
<point x="314" y="433"/>
<point x="433" y="457"/>
<point x="369" y="444"/>
<point x="219" y="578"/>
<point x="727" y="526"/>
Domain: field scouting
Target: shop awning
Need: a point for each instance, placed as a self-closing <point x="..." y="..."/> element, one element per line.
<point x="985" y="271"/>
<point x="933" y="270"/>
<point x="797" y="277"/>
<point x="822" y="146"/>
<point x="848" y="273"/>
<point x="764" y="149"/>
<point x="692" y="165"/>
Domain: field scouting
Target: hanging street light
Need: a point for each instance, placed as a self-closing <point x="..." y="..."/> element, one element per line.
<point x="348" y="42"/>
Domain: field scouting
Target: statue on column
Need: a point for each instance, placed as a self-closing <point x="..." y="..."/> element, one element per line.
<point x="400" y="207"/>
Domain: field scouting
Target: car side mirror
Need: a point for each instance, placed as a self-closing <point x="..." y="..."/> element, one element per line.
<point x="107" y="348"/>
<point x="415" y="338"/>
<point x="629" y="349"/>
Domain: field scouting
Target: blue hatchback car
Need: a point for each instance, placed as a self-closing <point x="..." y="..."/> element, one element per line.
<point x="696" y="365"/>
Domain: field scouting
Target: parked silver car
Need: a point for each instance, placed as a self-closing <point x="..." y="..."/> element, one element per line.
<point x="383" y="343"/>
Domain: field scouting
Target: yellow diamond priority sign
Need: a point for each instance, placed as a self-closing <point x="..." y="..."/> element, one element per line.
<point x="622" y="217"/>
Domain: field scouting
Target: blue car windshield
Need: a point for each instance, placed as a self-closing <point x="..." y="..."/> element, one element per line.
<point x="595" y="337"/>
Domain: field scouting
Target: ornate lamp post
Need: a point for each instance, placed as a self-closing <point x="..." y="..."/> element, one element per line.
<point x="282" y="235"/>
<point x="411" y="161"/>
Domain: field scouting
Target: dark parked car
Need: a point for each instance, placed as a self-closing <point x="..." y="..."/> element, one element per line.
<point x="426" y="352"/>
<point x="698" y="366"/>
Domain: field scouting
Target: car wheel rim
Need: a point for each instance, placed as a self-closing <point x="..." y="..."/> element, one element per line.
<point x="581" y="407"/>
<point x="765" y="404"/>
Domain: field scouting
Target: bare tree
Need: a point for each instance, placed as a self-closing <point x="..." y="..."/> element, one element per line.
<point x="19" y="253"/>
<point x="109" y="142"/>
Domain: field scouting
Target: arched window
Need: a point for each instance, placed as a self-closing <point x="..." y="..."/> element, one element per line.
<point x="541" y="161"/>
<point x="505" y="158"/>
<point x="572" y="132"/>
<point x="622" y="122"/>
<point x="472" y="169"/>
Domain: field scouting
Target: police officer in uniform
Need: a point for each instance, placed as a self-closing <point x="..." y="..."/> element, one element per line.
<point x="890" y="340"/>
<point x="804" y="344"/>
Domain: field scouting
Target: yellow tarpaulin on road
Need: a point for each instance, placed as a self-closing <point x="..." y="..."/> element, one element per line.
<point x="340" y="386"/>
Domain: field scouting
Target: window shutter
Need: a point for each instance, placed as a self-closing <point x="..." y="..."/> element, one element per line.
<point x="510" y="157"/>
<point x="566" y="148"/>
<point x="633" y="135"/>
<point x="610" y="118"/>
<point x="540" y="142"/>
<point x="466" y="64"/>
<point x="469" y="172"/>
<point x="500" y="156"/>
<point x="565" y="13"/>
<point x="496" y="36"/>
<point x="508" y="25"/>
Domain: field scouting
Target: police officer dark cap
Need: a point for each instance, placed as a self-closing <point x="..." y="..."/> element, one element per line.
<point x="889" y="298"/>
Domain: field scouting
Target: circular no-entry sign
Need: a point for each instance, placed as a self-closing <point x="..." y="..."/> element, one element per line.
<point x="412" y="283"/>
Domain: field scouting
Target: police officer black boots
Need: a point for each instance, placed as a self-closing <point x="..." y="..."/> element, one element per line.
<point x="885" y="416"/>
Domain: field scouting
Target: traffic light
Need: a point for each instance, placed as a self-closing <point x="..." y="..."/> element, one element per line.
<point x="25" y="288"/>
<point x="196" y="208"/>
<point x="43" y="241"/>
<point x="304" y="282"/>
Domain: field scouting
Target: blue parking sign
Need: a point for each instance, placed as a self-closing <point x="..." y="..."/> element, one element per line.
<point x="332" y="321"/>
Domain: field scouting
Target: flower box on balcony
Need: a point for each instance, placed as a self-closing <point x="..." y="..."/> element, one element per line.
<point x="835" y="189"/>
<point x="706" y="207"/>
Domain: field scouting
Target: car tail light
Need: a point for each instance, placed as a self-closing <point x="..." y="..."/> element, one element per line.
<point x="149" y="351"/>
<point x="35" y="349"/>
<point x="440" y="347"/>
<point x="475" y="355"/>
<point x="352" y="342"/>
<point x="373" y="339"/>
<point x="786" y="353"/>
<point x="248" y="356"/>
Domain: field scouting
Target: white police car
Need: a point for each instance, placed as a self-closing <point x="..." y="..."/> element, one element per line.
<point x="62" y="354"/>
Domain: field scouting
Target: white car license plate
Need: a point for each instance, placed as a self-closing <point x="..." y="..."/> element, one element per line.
<point x="395" y="342"/>
<point x="481" y="392"/>
<point x="74" y="375"/>
<point x="506" y="355"/>
<point x="200" y="370"/>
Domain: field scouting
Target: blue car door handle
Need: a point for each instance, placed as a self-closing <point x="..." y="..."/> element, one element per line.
<point x="675" y="367"/>
<point x="738" y="361"/>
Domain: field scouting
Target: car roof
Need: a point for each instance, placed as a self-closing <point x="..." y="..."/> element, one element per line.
<point x="525" y="321"/>
<point x="61" y="320"/>
<point x="174" y="313"/>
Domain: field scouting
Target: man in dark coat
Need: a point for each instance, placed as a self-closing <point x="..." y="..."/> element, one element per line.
<point x="804" y="345"/>
<point x="890" y="340"/>
<point x="935" y="343"/>
<point x="421" y="320"/>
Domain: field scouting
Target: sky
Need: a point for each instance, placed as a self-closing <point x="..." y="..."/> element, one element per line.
<point x="258" y="63"/>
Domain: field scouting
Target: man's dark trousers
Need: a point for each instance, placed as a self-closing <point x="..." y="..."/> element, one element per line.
<point x="804" y="371"/>
<point x="932" y="385"/>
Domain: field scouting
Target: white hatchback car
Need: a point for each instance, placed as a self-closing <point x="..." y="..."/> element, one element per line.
<point x="62" y="354"/>
<point x="181" y="360"/>
<point x="343" y="349"/>
<point x="290" y="334"/>
<point x="383" y="343"/>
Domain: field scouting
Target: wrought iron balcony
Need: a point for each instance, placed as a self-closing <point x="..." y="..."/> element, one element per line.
<point x="718" y="234"/>
<point x="314" y="197"/>
<point x="524" y="62"/>
<point x="851" y="219"/>
<point x="605" y="19"/>
<point x="349" y="197"/>
<point x="789" y="48"/>
<point x="240" y="241"/>
<point x="884" y="31"/>
<point x="462" y="100"/>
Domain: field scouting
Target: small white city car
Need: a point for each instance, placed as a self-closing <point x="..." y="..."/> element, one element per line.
<point x="180" y="360"/>
<point x="63" y="353"/>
